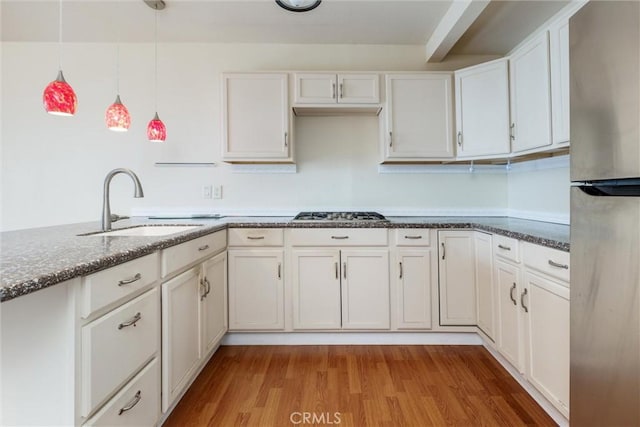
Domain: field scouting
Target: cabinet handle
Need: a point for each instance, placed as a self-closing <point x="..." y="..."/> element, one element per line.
<point x="506" y="248"/>
<point x="413" y="237"/>
<point x="524" y="293"/>
<point x="460" y="139"/>
<point x="133" y="402"/>
<point x="555" y="264"/>
<point x="512" y="132"/>
<point x="203" y="248"/>
<point x="203" y="285"/>
<point x="131" y="321"/>
<point x="337" y="274"/>
<point x="443" y="250"/>
<point x="334" y="91"/>
<point x="344" y="270"/>
<point x="279" y="270"/>
<point x="400" y="270"/>
<point x="286" y="139"/>
<point x="255" y="237"/>
<point x="341" y="92"/>
<point x="513" y="288"/>
<point x="339" y="237"/>
<point x="206" y="281"/>
<point x="390" y="139"/>
<point x="130" y="280"/>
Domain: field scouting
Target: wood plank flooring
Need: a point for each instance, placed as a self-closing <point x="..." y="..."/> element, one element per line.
<point x="356" y="386"/>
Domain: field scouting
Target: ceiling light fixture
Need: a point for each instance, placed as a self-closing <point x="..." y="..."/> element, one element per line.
<point x="156" y="130"/>
<point x="117" y="116"/>
<point x="58" y="97"/>
<point x="298" y="5"/>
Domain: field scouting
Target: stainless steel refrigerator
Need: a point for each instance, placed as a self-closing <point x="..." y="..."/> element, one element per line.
<point x="605" y="214"/>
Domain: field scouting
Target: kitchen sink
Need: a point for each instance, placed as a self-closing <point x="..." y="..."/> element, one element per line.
<point x="146" y="230"/>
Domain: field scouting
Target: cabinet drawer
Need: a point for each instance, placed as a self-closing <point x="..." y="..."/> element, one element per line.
<point x="116" y="345"/>
<point x="413" y="237"/>
<point x="339" y="237"/>
<point x="137" y="404"/>
<point x="506" y="247"/>
<point x="553" y="262"/>
<point x="116" y="283"/>
<point x="180" y="256"/>
<point x="256" y="237"/>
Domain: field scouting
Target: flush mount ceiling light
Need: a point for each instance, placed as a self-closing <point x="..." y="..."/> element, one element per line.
<point x="156" y="130"/>
<point x="298" y="5"/>
<point x="58" y="97"/>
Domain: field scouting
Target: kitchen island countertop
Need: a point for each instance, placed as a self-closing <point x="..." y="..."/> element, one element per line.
<point x="37" y="258"/>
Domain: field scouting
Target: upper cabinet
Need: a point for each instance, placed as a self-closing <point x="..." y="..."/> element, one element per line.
<point x="330" y="88"/>
<point x="530" y="96"/>
<point x="559" y="61"/>
<point x="418" y="122"/>
<point x="482" y="110"/>
<point x="256" y="118"/>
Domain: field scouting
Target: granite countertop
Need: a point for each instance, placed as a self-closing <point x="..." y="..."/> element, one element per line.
<point x="37" y="258"/>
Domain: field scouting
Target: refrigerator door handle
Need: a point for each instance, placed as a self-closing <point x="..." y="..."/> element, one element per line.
<point x="629" y="187"/>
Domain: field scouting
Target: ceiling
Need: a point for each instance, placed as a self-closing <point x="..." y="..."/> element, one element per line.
<point x="499" y="27"/>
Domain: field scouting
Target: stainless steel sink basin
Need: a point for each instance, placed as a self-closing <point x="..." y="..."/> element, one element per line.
<point x="147" y="230"/>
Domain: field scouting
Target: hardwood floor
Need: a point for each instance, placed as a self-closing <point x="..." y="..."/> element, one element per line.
<point x="356" y="386"/>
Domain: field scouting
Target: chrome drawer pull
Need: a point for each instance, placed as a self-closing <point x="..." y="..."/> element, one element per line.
<point x="130" y="280"/>
<point x="443" y="250"/>
<point x="206" y="281"/>
<point x="137" y="398"/>
<point x="255" y="237"/>
<point x="279" y="271"/>
<point x="203" y="248"/>
<point x="513" y="288"/>
<point x="400" y="270"/>
<point x="337" y="274"/>
<point x="339" y="237"/>
<point x="344" y="270"/>
<point x="506" y="248"/>
<point x="133" y="321"/>
<point x="203" y="285"/>
<point x="555" y="264"/>
<point x="526" y="309"/>
<point x="413" y="237"/>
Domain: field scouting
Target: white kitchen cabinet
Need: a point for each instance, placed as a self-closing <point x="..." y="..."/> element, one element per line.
<point x="510" y="328"/>
<point x="418" y="122"/>
<point x="457" y="278"/>
<point x="482" y="110"/>
<point x="256" y="291"/>
<point x="256" y="118"/>
<point x="559" y="62"/>
<point x="214" y="302"/>
<point x="181" y="351"/>
<point x="485" y="291"/>
<point x="331" y="88"/>
<point x="414" y="278"/>
<point x="530" y="95"/>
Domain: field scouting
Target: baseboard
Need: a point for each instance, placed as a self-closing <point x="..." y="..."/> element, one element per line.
<point x="352" y="338"/>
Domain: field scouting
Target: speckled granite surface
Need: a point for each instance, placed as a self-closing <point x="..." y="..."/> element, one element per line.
<point x="37" y="258"/>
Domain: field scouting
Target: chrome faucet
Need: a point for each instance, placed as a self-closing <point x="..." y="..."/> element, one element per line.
<point x="107" y="218"/>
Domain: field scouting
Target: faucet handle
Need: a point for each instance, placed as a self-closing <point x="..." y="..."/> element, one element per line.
<point x="115" y="217"/>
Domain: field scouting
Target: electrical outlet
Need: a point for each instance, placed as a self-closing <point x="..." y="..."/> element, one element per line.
<point x="217" y="192"/>
<point x="206" y="191"/>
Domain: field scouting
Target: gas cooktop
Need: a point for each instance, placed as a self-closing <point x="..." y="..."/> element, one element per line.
<point x="339" y="216"/>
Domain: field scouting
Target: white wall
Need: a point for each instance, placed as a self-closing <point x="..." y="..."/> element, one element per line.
<point x="53" y="167"/>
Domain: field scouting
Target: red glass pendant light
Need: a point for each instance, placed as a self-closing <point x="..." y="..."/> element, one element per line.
<point x="156" y="130"/>
<point x="58" y="97"/>
<point x="117" y="116"/>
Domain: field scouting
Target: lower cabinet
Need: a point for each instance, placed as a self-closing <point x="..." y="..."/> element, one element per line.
<point x="256" y="290"/>
<point x="414" y="287"/>
<point x="340" y="288"/>
<point x="214" y="303"/>
<point x="457" y="278"/>
<point x="510" y="329"/>
<point x="485" y="289"/>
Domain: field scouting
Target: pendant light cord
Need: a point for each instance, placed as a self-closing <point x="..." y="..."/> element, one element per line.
<point x="155" y="84"/>
<point x="60" y="35"/>
<point x="118" y="51"/>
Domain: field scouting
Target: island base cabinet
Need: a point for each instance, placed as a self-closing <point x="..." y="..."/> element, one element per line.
<point x="548" y="339"/>
<point x="256" y="292"/>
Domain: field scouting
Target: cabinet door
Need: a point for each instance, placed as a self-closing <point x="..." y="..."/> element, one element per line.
<point x="559" y="61"/>
<point x="484" y="284"/>
<point x="413" y="293"/>
<point x="315" y="88"/>
<point x="358" y="88"/>
<point x="256" y="297"/>
<point x="482" y="110"/>
<point x="548" y="339"/>
<point x="255" y="117"/>
<point x="365" y="289"/>
<point x="316" y="289"/>
<point x="530" y="95"/>
<point x="180" y="333"/>
<point x="457" y="278"/>
<point x="507" y="279"/>
<point x="419" y="117"/>
<point x="214" y="302"/>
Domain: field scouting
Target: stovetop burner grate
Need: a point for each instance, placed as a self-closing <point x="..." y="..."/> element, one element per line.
<point x="339" y="216"/>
